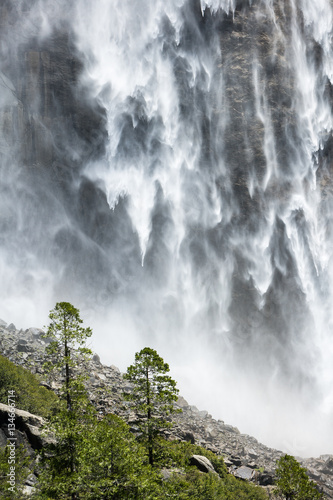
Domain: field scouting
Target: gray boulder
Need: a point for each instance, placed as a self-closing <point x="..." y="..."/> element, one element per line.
<point x="244" y="473"/>
<point x="27" y="423"/>
<point x="35" y="333"/>
<point x="202" y="463"/>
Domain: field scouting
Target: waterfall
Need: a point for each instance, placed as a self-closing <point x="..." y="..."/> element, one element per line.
<point x="166" y="166"/>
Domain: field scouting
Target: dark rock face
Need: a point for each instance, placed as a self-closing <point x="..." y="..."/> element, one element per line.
<point x="28" y="428"/>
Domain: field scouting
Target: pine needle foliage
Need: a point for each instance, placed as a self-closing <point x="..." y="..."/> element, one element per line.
<point x="293" y="482"/>
<point x="68" y="344"/>
<point x="152" y="396"/>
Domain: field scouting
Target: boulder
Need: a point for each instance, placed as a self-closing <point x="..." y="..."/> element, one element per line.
<point x="244" y="473"/>
<point x="266" y="479"/>
<point x="202" y="463"/>
<point x="328" y="466"/>
<point x="27" y="423"/>
<point x="96" y="358"/>
<point x="182" y="402"/>
<point x="235" y="460"/>
<point x="36" y="333"/>
<point x="232" y="429"/>
<point x="189" y="437"/>
<point x="168" y="473"/>
<point x="203" y="414"/>
<point x="28" y="491"/>
<point x="24" y="348"/>
<point x="115" y="369"/>
<point x="251" y="453"/>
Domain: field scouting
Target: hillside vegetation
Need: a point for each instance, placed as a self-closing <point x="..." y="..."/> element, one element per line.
<point x="29" y="394"/>
<point x="96" y="456"/>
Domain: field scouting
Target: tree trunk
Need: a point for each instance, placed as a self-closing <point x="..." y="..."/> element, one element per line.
<point x="69" y="402"/>
<point x="67" y="373"/>
<point x="150" y="434"/>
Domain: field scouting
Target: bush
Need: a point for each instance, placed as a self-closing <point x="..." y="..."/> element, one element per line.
<point x="22" y="470"/>
<point x="189" y="483"/>
<point x="293" y="481"/>
<point x="29" y="394"/>
<point x="178" y="454"/>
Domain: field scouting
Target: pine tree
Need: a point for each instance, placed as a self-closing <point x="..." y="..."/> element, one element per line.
<point x="293" y="481"/>
<point x="67" y="345"/>
<point x="152" y="397"/>
<point x="61" y="477"/>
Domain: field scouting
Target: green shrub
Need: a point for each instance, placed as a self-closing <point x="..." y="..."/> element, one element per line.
<point x="192" y="484"/>
<point x="195" y="485"/>
<point x="178" y="454"/>
<point x="21" y="466"/>
<point x="293" y="481"/>
<point x="29" y="394"/>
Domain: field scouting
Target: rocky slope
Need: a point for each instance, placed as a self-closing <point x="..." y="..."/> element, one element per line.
<point x="245" y="457"/>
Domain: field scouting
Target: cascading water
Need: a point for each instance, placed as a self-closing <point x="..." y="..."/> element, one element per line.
<point x="166" y="166"/>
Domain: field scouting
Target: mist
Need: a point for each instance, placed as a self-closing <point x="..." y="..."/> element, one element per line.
<point x="166" y="168"/>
